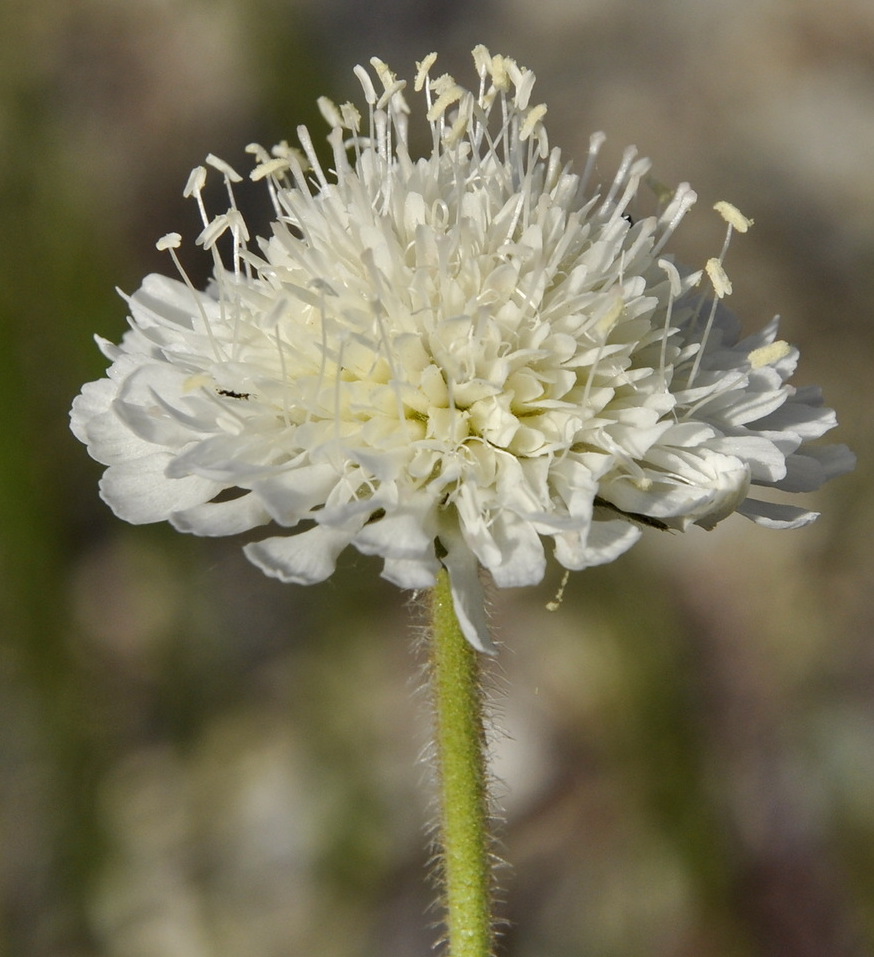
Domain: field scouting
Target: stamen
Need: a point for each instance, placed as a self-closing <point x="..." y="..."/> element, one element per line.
<point x="461" y="125"/>
<point x="696" y="365"/>
<point x="482" y="61"/>
<point x="224" y="168"/>
<point x="733" y="216"/>
<point x="524" y="82"/>
<point x="596" y="141"/>
<point x="329" y="111"/>
<point x="683" y="200"/>
<point x="603" y="325"/>
<point x="169" y="244"/>
<point x="366" y="85"/>
<point x="718" y="276"/>
<point x="620" y="177"/>
<point x="303" y="134"/>
<point x="676" y="287"/>
<point x="500" y="75"/>
<point x="351" y="117"/>
<point x="450" y="94"/>
<point x="170" y="241"/>
<point x="388" y="351"/>
<point x="423" y="68"/>
<point x="535" y="116"/>
<point x="769" y="354"/>
<point x="194" y="187"/>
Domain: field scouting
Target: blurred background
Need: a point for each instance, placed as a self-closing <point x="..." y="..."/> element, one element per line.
<point x="196" y="761"/>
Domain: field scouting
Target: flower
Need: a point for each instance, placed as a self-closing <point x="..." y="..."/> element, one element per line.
<point x="448" y="360"/>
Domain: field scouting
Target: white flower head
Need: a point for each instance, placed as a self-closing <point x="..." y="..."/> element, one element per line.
<point x="453" y="360"/>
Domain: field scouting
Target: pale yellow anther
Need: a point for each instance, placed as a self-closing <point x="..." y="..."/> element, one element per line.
<point x="213" y="231"/>
<point x="224" y="168"/>
<point x="257" y="150"/>
<point x="444" y="101"/>
<point x="422" y="71"/>
<point x="719" y="278"/>
<point x="196" y="181"/>
<point x="390" y="82"/>
<point x="237" y="224"/>
<point x="524" y="82"/>
<point x="500" y="76"/>
<point x="733" y="216"/>
<point x="169" y="241"/>
<point x="366" y="84"/>
<point x="329" y="111"/>
<point x="462" y="121"/>
<point x="673" y="275"/>
<point x="270" y="167"/>
<point x="351" y="117"/>
<point x="386" y="77"/>
<point x="291" y="154"/>
<point x="769" y="354"/>
<point x="393" y="93"/>
<point x="482" y="60"/>
<point x="514" y="73"/>
<point x="442" y="83"/>
<point x="535" y="115"/>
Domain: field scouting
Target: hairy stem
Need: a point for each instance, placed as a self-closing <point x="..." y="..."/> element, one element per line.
<point x="464" y="804"/>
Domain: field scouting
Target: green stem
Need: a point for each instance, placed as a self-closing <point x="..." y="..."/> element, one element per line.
<point x="464" y="805"/>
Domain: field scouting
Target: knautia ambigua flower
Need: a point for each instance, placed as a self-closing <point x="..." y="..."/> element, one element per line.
<point x="468" y="358"/>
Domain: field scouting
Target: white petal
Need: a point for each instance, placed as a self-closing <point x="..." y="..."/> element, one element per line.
<point x="289" y="495"/>
<point x="570" y="549"/>
<point x="303" y="559"/>
<point x="770" y="515"/>
<point x="608" y="540"/>
<point x="94" y="399"/>
<point x="406" y="532"/>
<point x="221" y="518"/>
<point x="418" y="572"/>
<point x="139" y="491"/>
<point x="228" y="459"/>
<point x="523" y="561"/>
<point x="477" y="536"/>
<point x="162" y="300"/>
<point x="696" y="485"/>
<point x="108" y="439"/>
<point x="597" y="544"/>
<point x="736" y="408"/>
<point x="467" y="591"/>
<point x="145" y="402"/>
<point x="809" y="469"/>
<point x="803" y="414"/>
<point x="577" y="486"/>
<point x="766" y="462"/>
